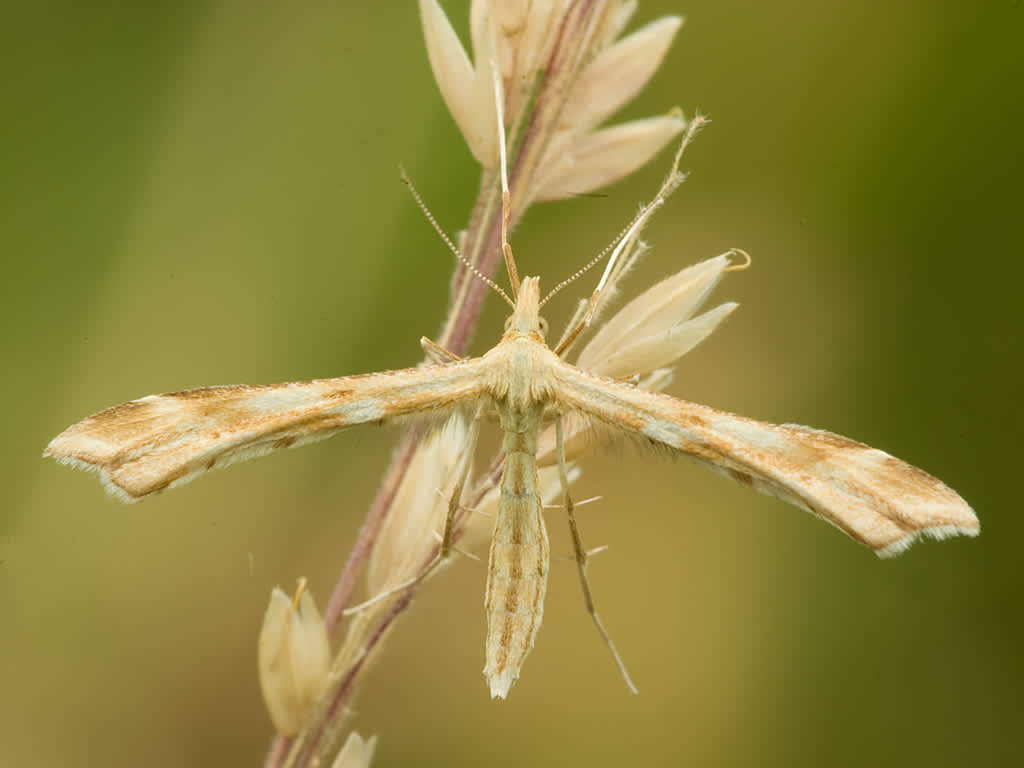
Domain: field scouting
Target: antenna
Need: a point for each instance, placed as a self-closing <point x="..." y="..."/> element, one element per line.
<point x="447" y="240"/>
<point x="586" y="267"/>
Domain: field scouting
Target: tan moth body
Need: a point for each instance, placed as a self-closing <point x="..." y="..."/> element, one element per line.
<point x="517" y="572"/>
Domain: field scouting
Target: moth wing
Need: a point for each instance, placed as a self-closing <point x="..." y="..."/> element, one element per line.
<point x="876" y="499"/>
<point x="161" y="441"/>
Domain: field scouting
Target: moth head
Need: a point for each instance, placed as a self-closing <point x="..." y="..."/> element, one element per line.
<point x="542" y="325"/>
<point x="525" y="317"/>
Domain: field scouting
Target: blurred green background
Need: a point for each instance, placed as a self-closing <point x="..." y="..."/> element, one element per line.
<point x="207" y="193"/>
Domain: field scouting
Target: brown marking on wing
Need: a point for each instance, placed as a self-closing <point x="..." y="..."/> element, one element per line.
<point x="913" y="477"/>
<point x="743" y="478"/>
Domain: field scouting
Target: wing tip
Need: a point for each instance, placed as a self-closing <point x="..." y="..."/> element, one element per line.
<point x="935" y="532"/>
<point x="106" y="481"/>
<point x="53" y="449"/>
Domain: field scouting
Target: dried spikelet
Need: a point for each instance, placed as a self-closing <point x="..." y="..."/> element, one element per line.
<point x="580" y="164"/>
<point x="293" y="657"/>
<point x="408" y="539"/>
<point x="619" y="72"/>
<point x="518" y="36"/>
<point x="523" y="32"/>
<point x="357" y="752"/>
<point x="658" y="327"/>
<point x="464" y="87"/>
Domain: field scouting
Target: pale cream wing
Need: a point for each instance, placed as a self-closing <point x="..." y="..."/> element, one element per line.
<point x="160" y="441"/>
<point x="875" y="498"/>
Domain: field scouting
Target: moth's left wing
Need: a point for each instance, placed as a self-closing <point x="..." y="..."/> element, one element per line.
<point x="160" y="441"/>
<point x="875" y="498"/>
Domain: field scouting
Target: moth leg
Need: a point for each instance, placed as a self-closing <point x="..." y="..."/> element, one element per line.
<point x="571" y="336"/>
<point x="437" y="352"/>
<point x="456" y="550"/>
<point x="446" y="545"/>
<point x="581" y="554"/>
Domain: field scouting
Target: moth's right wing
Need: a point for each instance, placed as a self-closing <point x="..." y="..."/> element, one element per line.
<point x="877" y="499"/>
<point x="161" y="441"/>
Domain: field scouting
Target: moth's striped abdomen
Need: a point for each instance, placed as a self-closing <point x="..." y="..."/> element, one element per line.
<point x="517" y="575"/>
